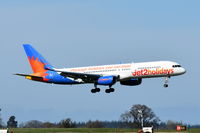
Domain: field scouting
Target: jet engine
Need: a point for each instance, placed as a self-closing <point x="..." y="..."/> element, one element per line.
<point x="131" y="82"/>
<point x="107" y="80"/>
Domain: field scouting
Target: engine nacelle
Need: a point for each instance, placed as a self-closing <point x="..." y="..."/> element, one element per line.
<point x="132" y="82"/>
<point x="107" y="80"/>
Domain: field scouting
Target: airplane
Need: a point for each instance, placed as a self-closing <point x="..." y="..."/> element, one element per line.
<point x="129" y="74"/>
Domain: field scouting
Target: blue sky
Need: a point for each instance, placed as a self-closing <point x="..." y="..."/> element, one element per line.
<point x="81" y="33"/>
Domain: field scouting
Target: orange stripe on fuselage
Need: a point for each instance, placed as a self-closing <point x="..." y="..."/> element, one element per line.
<point x="103" y="79"/>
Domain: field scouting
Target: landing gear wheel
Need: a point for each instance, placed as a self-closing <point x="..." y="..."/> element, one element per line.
<point x="112" y="89"/>
<point x="93" y="91"/>
<point x="166" y="85"/>
<point x="97" y="89"/>
<point x="107" y="90"/>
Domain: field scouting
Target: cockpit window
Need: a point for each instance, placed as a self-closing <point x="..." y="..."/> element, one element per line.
<point x="176" y="66"/>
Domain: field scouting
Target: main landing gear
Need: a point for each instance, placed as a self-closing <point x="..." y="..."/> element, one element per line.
<point x="95" y="89"/>
<point x="98" y="89"/>
<point x="110" y="89"/>
<point x="166" y="82"/>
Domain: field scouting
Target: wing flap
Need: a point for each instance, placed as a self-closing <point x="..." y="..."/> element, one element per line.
<point x="89" y="78"/>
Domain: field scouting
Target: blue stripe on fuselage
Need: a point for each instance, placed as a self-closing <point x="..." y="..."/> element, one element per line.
<point x="56" y="78"/>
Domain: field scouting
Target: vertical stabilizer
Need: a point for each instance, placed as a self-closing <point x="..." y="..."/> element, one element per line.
<point x="37" y="62"/>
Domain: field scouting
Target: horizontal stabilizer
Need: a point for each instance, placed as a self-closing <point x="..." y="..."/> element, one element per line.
<point x="31" y="77"/>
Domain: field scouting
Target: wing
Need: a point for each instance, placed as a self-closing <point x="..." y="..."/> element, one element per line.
<point x="87" y="78"/>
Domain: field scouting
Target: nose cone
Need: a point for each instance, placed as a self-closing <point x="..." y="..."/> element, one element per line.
<point x="182" y="70"/>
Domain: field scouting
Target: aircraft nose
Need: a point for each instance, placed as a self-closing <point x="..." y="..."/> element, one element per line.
<point x="183" y="70"/>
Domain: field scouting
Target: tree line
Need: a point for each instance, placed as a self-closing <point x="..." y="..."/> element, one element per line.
<point x="68" y="123"/>
<point x="136" y="117"/>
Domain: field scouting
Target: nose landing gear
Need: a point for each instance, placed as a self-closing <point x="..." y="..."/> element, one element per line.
<point x="166" y="81"/>
<point x="166" y="85"/>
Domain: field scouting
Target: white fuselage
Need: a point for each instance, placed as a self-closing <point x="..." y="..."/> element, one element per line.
<point x="130" y="74"/>
<point x="133" y="70"/>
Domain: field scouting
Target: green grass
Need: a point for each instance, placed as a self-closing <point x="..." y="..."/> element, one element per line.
<point x="188" y="131"/>
<point x="88" y="130"/>
<point x="194" y="130"/>
<point x="75" y="130"/>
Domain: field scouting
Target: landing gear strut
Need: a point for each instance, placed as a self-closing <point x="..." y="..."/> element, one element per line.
<point x="95" y="89"/>
<point x="166" y="82"/>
